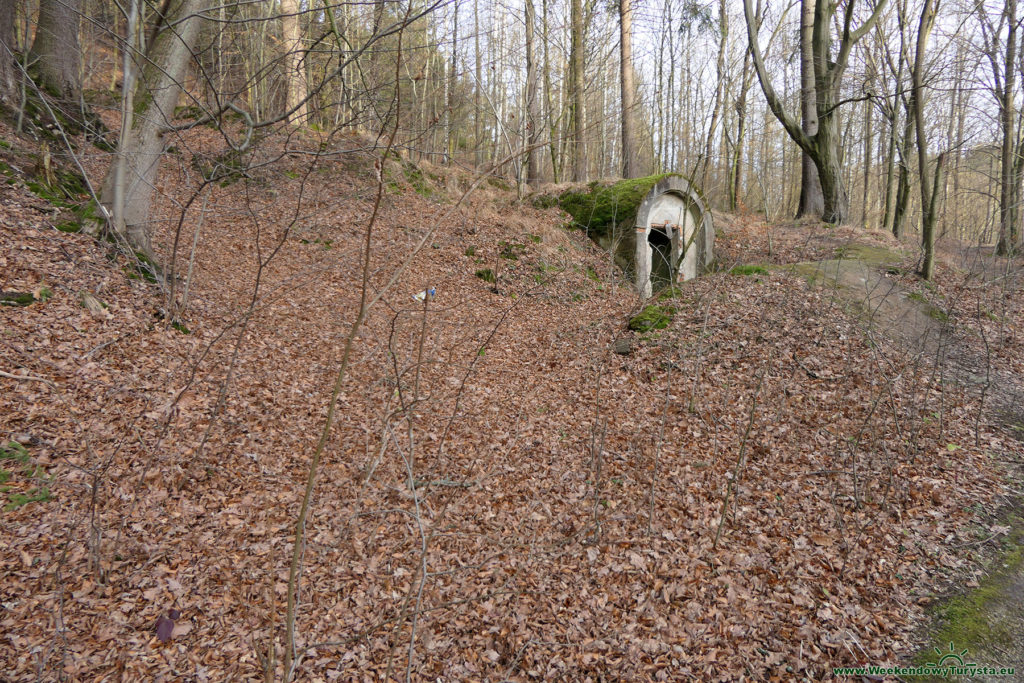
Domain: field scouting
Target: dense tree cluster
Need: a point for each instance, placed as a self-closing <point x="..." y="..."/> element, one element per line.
<point x="901" y="115"/>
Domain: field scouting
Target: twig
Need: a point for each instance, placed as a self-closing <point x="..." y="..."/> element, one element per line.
<point x="739" y="460"/>
<point x="419" y="483"/>
<point x="657" y="448"/>
<point x="29" y="378"/>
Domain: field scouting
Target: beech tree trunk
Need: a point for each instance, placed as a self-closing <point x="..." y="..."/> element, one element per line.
<point x="896" y="147"/>
<point x="868" y="152"/>
<point x="533" y="123"/>
<point x="928" y="192"/>
<point x="630" y="153"/>
<point x="704" y="162"/>
<point x="55" y="54"/>
<point x="812" y="201"/>
<point x="1007" y="114"/>
<point x="8" y="82"/>
<point x="576" y="138"/>
<point x="824" y="146"/>
<point x="295" y="70"/>
<point x="453" y="76"/>
<point x="128" y="187"/>
<point x="478" y="150"/>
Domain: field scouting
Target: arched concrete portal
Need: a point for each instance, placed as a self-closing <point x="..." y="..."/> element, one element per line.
<point x="672" y="207"/>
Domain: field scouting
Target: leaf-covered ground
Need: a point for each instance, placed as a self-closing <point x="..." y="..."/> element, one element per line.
<point x="763" y="490"/>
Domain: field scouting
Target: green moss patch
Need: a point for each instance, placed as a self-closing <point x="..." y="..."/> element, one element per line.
<point x="416" y="178"/>
<point x="986" y="620"/>
<point x="653" y="317"/>
<point x="601" y="208"/>
<point x="487" y="275"/>
<point x="928" y="308"/>
<point x="877" y="256"/>
<point x="35" y="495"/>
<point x="16" y="299"/>
<point x="668" y="293"/>
<point x="15" y="456"/>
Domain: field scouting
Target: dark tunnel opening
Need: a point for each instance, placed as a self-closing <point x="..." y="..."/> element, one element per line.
<point x="661" y="258"/>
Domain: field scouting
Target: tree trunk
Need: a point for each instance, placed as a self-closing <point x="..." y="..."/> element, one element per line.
<point x="576" y="137"/>
<point x="868" y="106"/>
<point x="812" y="201"/>
<point x="452" y="136"/>
<point x="716" y="109"/>
<point x="630" y="153"/>
<point x="889" y="221"/>
<point x="8" y="82"/>
<point x="478" y="154"/>
<point x="295" y="73"/>
<point x="533" y="122"/>
<point x="736" y="175"/>
<point x="1007" y="111"/>
<point x="903" y="185"/>
<point x="155" y="95"/>
<point x="890" y="175"/>
<point x="830" y="173"/>
<point x="928" y="192"/>
<point x="55" y="54"/>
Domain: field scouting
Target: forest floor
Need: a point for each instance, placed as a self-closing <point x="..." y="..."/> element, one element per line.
<point x="772" y="485"/>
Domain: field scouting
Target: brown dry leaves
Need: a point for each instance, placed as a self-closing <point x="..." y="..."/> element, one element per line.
<point x="845" y="508"/>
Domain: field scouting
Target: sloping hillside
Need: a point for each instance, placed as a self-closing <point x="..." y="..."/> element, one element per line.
<point x="763" y="488"/>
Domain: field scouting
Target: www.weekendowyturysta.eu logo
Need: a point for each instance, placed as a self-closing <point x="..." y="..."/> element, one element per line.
<point x="948" y="664"/>
<point x="951" y="658"/>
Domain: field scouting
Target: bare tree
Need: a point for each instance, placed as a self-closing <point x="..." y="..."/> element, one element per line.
<point x="812" y="201"/>
<point x="7" y="53"/>
<point x="928" y="191"/>
<point x="1004" y="85"/>
<point x="630" y="152"/>
<point x="824" y="145"/>
<point x="576" y="141"/>
<point x="296" y="83"/>
<point x="533" y="122"/>
<point x="147" y="110"/>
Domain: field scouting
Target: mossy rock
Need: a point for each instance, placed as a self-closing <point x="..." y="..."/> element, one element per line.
<point x="653" y="317"/>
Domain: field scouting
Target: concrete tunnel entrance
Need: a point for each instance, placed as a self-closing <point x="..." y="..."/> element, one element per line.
<point x="674" y="235"/>
<point x="658" y="229"/>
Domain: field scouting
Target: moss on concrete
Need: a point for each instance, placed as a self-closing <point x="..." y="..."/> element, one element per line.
<point x="601" y="208"/>
<point x="873" y="255"/>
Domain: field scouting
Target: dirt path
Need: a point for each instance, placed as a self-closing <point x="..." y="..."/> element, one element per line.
<point x="980" y="623"/>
